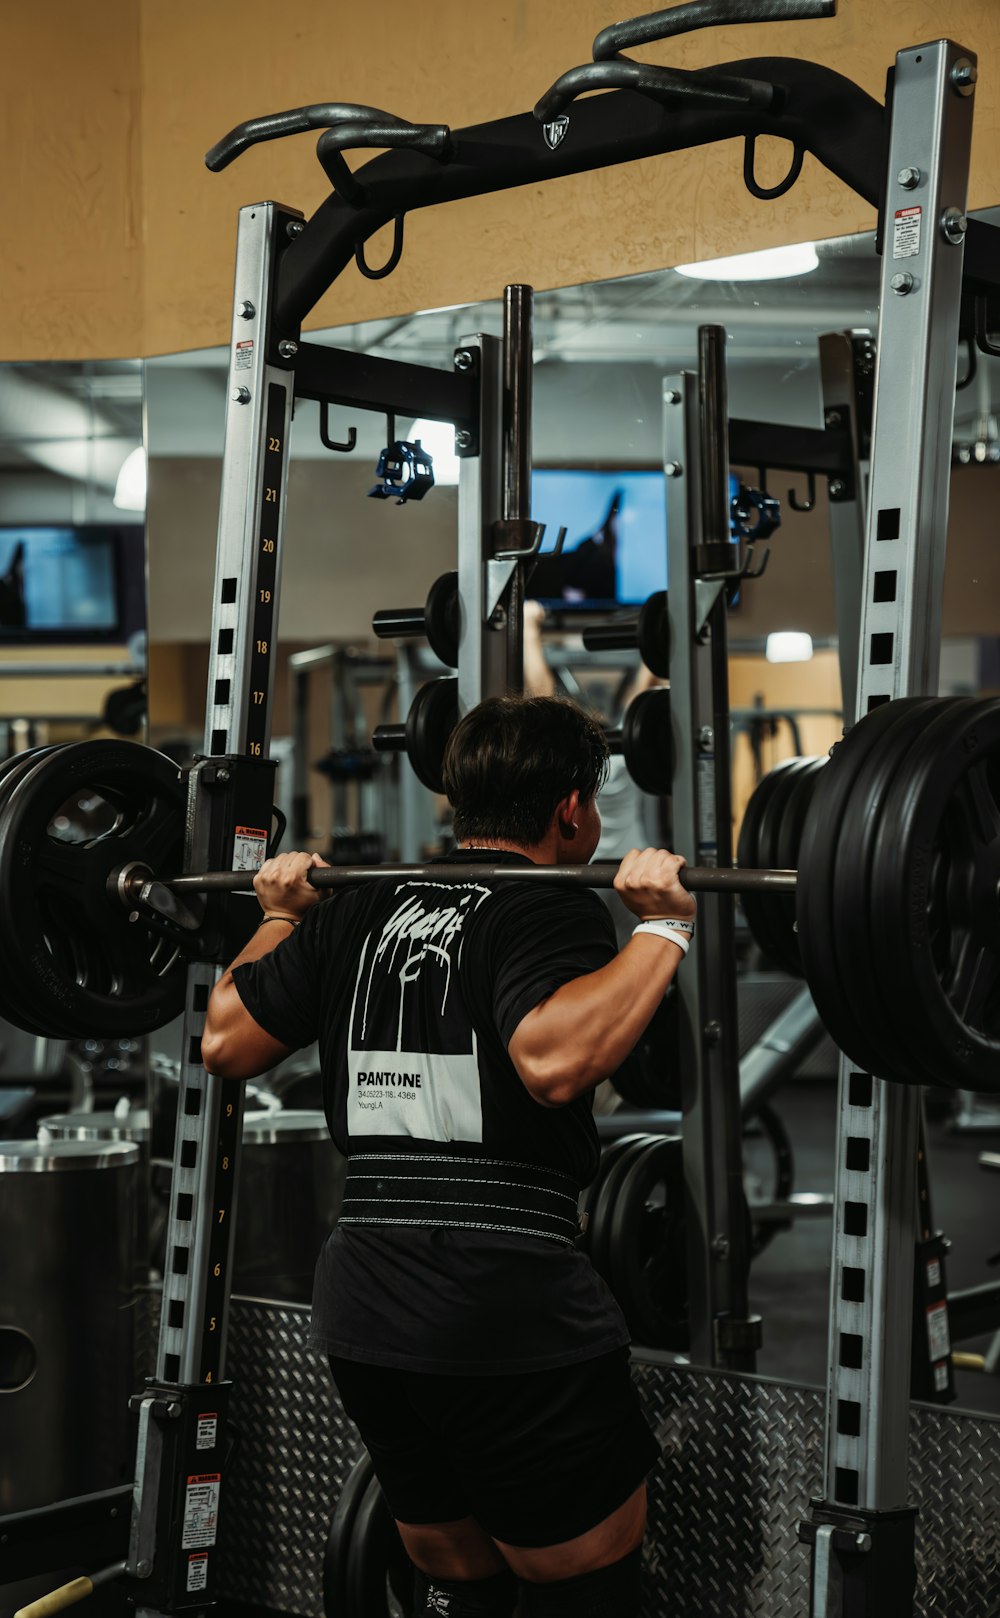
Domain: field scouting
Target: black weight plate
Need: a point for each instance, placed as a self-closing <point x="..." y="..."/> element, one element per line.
<point x="368" y="1558"/>
<point x="76" y="962"/>
<point x="653" y="634"/>
<point x="441" y="618"/>
<point x="588" y="1196"/>
<point x="780" y="915"/>
<point x="400" y="1570"/>
<point x="755" y="910"/>
<point x="817" y="865"/>
<point x="339" y="1539"/>
<point x="874" y="1045"/>
<point x="647" y="1253"/>
<point x="604" y="1202"/>
<point x="11" y="1004"/>
<point x="432" y="717"/>
<point x="786" y="857"/>
<point x="935" y="880"/>
<point x="757" y="906"/>
<point x="647" y="742"/>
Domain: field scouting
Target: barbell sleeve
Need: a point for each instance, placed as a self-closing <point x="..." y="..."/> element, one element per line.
<point x="601" y="874"/>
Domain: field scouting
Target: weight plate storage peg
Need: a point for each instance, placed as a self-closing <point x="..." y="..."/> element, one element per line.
<point x="437" y="619"/>
<point x="76" y="961"/>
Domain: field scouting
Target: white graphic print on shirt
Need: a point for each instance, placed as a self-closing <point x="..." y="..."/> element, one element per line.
<point x="412" y="1059"/>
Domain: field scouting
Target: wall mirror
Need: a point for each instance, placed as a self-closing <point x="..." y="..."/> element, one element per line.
<point x="72" y="552"/>
<point x="76" y="523"/>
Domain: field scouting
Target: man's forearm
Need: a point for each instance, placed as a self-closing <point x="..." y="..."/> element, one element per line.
<point x="586" y="1029"/>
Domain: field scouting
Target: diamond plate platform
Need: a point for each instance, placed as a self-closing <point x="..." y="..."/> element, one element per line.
<point x="741" y="1457"/>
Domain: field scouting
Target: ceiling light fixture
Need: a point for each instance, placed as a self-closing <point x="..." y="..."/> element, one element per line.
<point x="788" y="646"/>
<point x="771" y="264"/>
<point x="438" y="439"/>
<point x="130" y="489"/>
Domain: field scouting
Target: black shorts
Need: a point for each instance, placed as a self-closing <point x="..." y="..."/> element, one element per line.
<point x="537" y="1458"/>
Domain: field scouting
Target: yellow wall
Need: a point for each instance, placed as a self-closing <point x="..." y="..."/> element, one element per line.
<point x="119" y="241"/>
<point x="71" y="260"/>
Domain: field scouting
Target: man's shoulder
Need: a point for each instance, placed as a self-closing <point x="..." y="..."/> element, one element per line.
<point x="538" y="897"/>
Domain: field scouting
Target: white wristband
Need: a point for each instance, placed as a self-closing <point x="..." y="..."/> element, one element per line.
<point x="678" y="932"/>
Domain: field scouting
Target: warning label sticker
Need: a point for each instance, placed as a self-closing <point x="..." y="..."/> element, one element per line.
<point x="906" y="232"/>
<point x="201" y="1510"/>
<point x="244" y="353"/>
<point x="197" y="1571"/>
<point x="208" y="1426"/>
<point x="941" y="1376"/>
<point x="938" y="1340"/>
<point x="934" y="1272"/>
<point x="249" y="848"/>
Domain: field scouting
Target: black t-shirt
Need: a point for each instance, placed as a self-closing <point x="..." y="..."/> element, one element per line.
<point x="427" y="980"/>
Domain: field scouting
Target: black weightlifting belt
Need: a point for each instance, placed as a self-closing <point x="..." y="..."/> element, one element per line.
<point x="466" y="1193"/>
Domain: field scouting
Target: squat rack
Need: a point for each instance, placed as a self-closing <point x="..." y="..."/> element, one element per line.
<point x="862" y="1531"/>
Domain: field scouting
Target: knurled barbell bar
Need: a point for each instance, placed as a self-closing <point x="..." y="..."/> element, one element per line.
<point x="130" y="884"/>
<point x="897" y="892"/>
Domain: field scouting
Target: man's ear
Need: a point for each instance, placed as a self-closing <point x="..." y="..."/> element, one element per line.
<point x="567" y="814"/>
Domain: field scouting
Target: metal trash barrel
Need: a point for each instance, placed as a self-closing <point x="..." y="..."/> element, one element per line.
<point x="291" y="1187"/>
<point x="105" y="1125"/>
<point x="95" y="1126"/>
<point x="67" y="1236"/>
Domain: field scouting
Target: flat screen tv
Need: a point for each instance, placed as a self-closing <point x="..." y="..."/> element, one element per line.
<point x="64" y="584"/>
<point x="615" y="552"/>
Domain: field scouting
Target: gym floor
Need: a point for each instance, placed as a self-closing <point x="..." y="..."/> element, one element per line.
<point x="790" y="1280"/>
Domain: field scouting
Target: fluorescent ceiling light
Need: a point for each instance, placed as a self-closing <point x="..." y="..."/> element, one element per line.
<point x="438" y="439"/>
<point x="130" y="489"/>
<point x="789" y="646"/>
<point x="772" y="264"/>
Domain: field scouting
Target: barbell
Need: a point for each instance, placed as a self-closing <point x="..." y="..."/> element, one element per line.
<point x="133" y="885"/>
<point x="897" y="891"/>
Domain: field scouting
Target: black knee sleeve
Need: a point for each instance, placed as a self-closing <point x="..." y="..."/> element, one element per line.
<point x="609" y="1592"/>
<point x="464" y="1598"/>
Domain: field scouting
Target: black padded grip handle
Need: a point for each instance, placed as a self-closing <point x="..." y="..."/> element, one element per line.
<point x="297" y="121"/>
<point x="662" y="83"/>
<point x="623" y="36"/>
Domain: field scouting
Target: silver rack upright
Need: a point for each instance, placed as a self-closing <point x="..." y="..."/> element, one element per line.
<point x="863" y="1532"/>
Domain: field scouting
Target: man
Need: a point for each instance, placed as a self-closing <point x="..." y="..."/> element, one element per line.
<point x="462" y="1028"/>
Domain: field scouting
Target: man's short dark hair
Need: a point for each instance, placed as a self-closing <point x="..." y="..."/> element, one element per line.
<point x="511" y="760"/>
